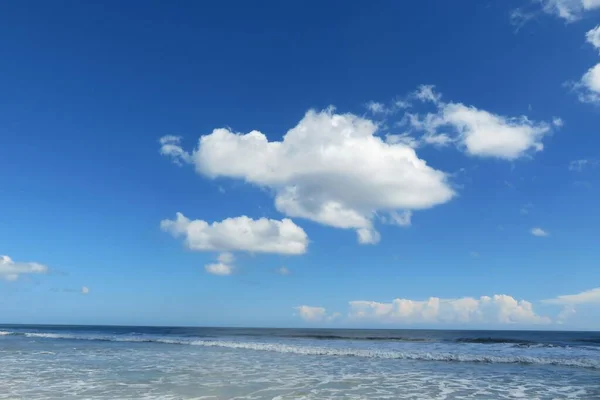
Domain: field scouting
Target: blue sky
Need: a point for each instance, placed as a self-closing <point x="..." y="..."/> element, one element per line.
<point x="447" y="175"/>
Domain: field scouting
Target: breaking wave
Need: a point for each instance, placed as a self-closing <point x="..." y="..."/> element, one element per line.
<point x="329" y="351"/>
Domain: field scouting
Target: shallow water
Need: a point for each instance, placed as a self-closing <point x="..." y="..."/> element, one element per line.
<point x="196" y="363"/>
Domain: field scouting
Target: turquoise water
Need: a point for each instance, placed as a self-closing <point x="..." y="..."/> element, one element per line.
<point x="43" y="362"/>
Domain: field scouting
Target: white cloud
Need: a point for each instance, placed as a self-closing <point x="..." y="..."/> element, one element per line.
<point x="11" y="270"/>
<point x="593" y="37"/>
<point x="239" y="234"/>
<point x="591" y="296"/>
<point x="558" y="122"/>
<point x="85" y="290"/>
<point x="570" y="301"/>
<point x="569" y="10"/>
<point x="226" y="258"/>
<point x="588" y="87"/>
<point x="312" y="314"/>
<point x="395" y="218"/>
<point x="283" y="271"/>
<point x="479" y="132"/>
<point x="539" y="232"/>
<point x="427" y="93"/>
<point x="331" y="168"/>
<point x="565" y="314"/>
<point x="401" y="104"/>
<point x="404" y="138"/>
<point x="519" y="17"/>
<point x="170" y="146"/>
<point x="219" y="269"/>
<point x="377" y="108"/>
<point x="490" y="135"/>
<point x="498" y="309"/>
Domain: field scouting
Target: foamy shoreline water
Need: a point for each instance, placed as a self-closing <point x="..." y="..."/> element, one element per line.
<point x="186" y="363"/>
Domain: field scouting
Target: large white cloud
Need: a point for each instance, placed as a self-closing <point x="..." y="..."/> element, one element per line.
<point x="588" y="86"/>
<point x="479" y="132"/>
<point x="570" y="10"/>
<point x="11" y="270"/>
<point x="239" y="234"/>
<point x="330" y="168"/>
<point x="498" y="309"/>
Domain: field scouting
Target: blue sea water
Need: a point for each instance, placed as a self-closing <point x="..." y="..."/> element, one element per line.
<point x="93" y="362"/>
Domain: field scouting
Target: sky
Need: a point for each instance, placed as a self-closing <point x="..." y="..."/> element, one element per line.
<point x="430" y="164"/>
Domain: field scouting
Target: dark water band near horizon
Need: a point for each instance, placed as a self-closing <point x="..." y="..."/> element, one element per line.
<point x="109" y="362"/>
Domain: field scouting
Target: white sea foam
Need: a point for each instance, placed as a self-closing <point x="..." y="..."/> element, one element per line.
<point x="245" y="369"/>
<point x="50" y="335"/>
<point x="422" y="356"/>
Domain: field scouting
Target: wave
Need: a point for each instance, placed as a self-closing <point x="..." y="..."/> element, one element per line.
<point x="417" y="356"/>
<point x="328" y="351"/>
<point x="489" y="340"/>
<point x="513" y="342"/>
<point x="358" y="338"/>
<point x="594" y="340"/>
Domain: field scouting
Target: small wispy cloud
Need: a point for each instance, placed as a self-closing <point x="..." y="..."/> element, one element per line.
<point x="219" y="269"/>
<point x="283" y="271"/>
<point x="82" y="290"/>
<point x="526" y="209"/>
<point x="539" y="232"/>
<point x="581" y="164"/>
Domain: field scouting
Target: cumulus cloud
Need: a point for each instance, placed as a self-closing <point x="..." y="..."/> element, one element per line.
<point x="593" y="37"/>
<point x="239" y="234"/>
<point x="539" y="232"/>
<point x="498" y="309"/>
<point x="312" y="314"/>
<point x="591" y="296"/>
<point x="11" y="270"/>
<point x="588" y="87"/>
<point x="219" y="269"/>
<point x="491" y="135"/>
<point x="330" y="168"/>
<point x="569" y="10"/>
<point x="478" y="132"/>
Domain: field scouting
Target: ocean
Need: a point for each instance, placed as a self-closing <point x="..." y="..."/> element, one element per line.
<point x="107" y="362"/>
